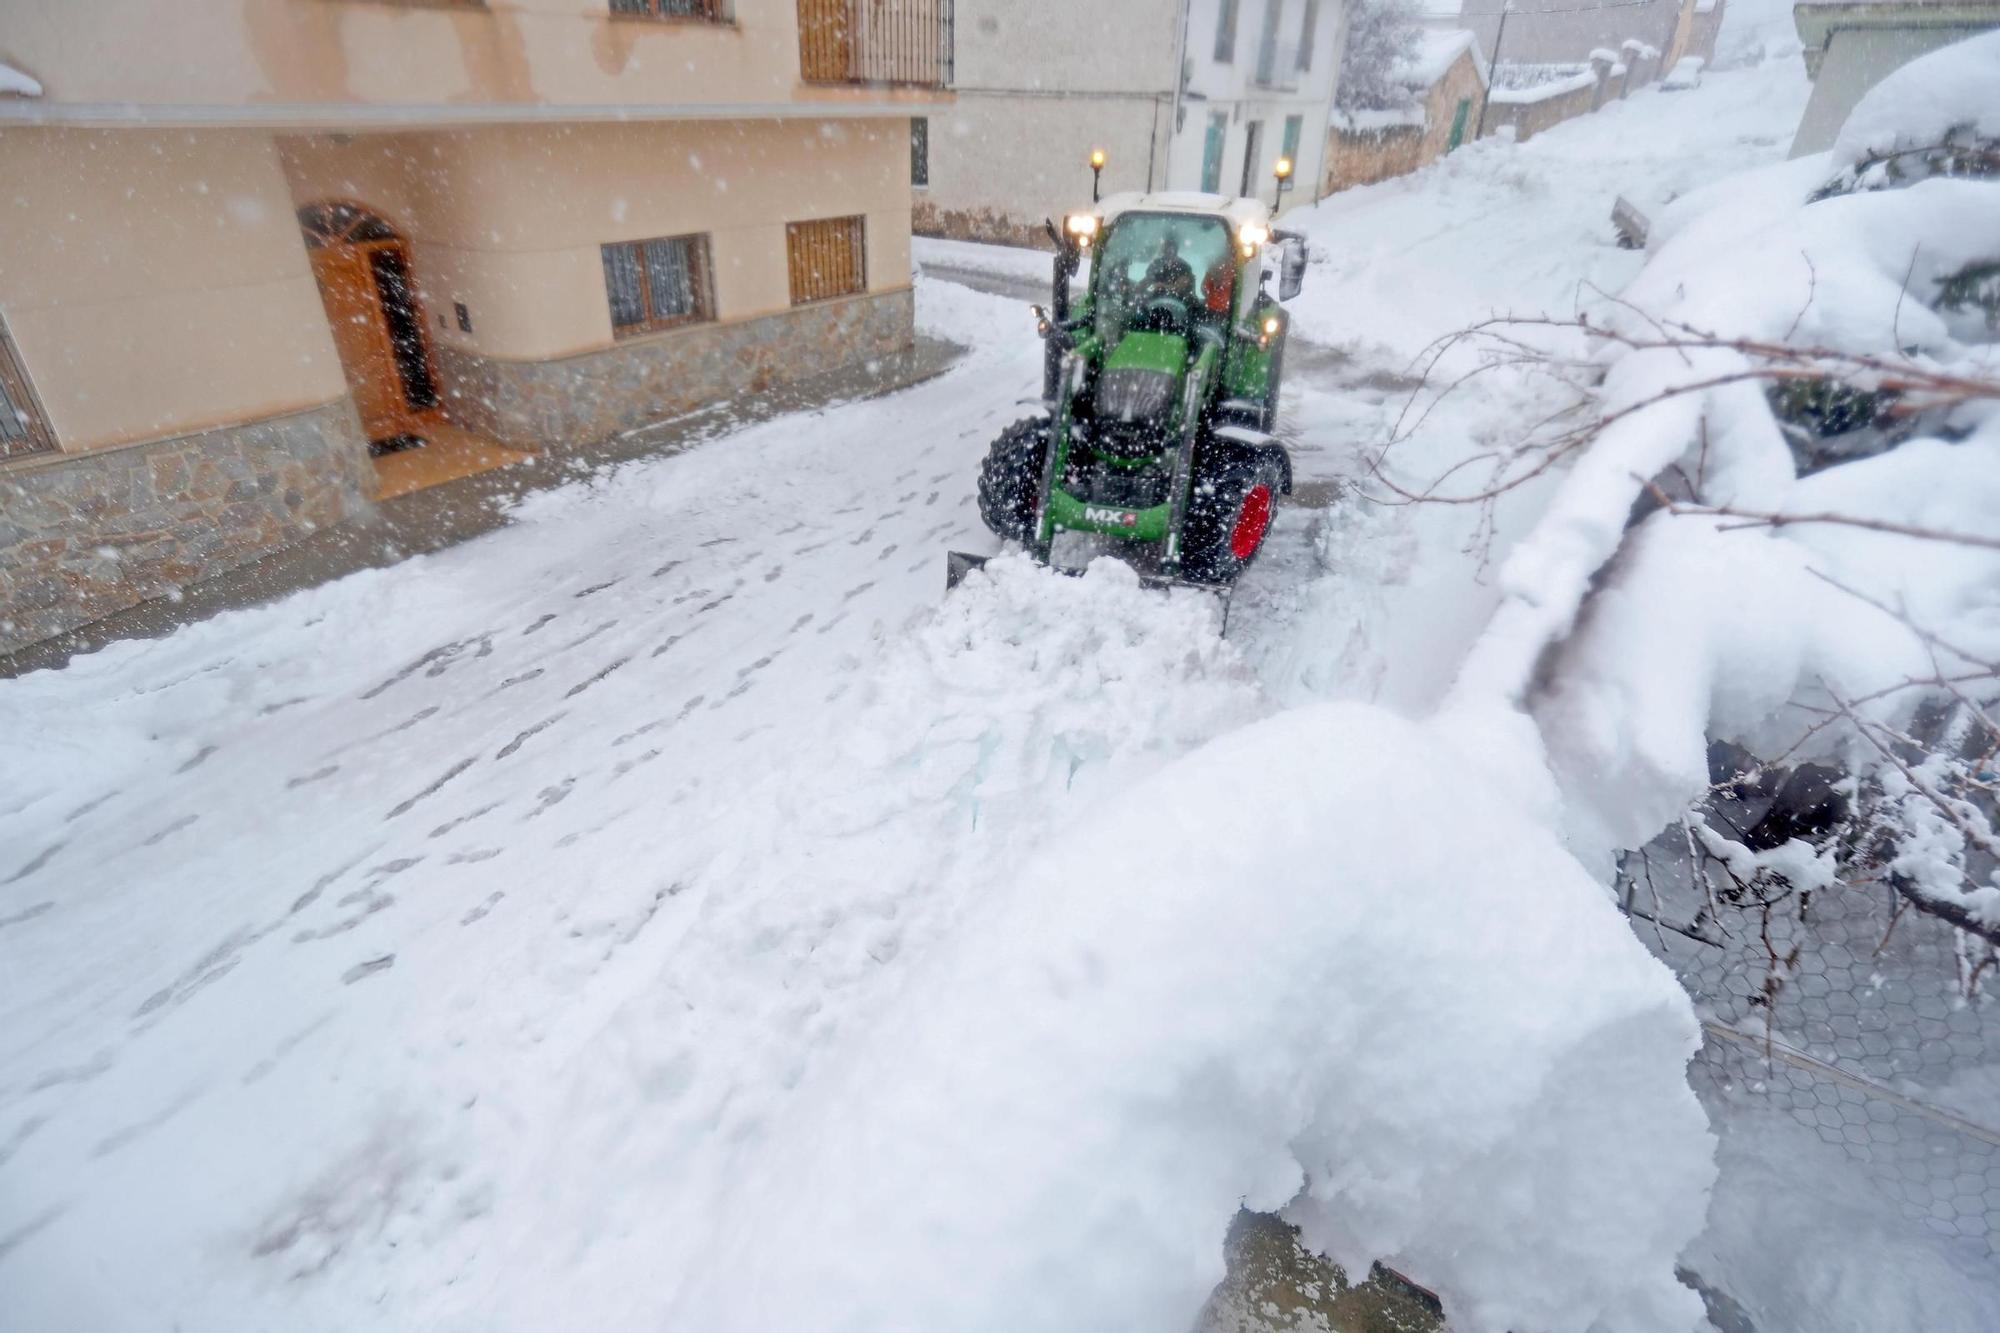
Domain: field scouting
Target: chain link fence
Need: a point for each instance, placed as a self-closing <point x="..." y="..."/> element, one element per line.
<point x="1849" y="1014"/>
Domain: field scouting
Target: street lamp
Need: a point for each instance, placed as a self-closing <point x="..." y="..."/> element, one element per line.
<point x="1283" y="171"/>
<point x="1096" y="171"/>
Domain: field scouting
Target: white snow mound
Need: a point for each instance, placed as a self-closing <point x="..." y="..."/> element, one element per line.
<point x="1956" y="87"/>
<point x="1277" y="975"/>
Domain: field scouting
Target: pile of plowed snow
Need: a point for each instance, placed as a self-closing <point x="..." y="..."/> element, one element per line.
<point x="1319" y="965"/>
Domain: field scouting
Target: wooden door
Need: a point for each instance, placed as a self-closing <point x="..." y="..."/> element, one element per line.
<point x="394" y="399"/>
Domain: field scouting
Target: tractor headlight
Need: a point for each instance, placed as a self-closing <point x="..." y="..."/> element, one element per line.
<point x="1081" y="225"/>
<point x="1134" y="395"/>
<point x="1252" y="236"/>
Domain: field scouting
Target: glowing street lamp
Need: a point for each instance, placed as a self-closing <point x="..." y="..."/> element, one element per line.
<point x="1096" y="171"/>
<point x="1283" y="171"/>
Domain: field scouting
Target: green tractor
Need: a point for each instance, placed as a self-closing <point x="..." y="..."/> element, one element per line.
<point x="1160" y="395"/>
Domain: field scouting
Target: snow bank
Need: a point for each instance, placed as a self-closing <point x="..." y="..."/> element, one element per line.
<point x="1520" y="229"/>
<point x="1801" y="1247"/>
<point x="1830" y="274"/>
<point x="1956" y="87"/>
<point x="1685" y="74"/>
<point x="1270" y="976"/>
<point x="18" y="83"/>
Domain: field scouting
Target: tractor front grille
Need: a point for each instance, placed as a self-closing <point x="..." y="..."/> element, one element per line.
<point x="1121" y="488"/>
<point x="1132" y="395"/>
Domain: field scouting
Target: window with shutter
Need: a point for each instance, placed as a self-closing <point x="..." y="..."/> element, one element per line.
<point x="827" y="258"/>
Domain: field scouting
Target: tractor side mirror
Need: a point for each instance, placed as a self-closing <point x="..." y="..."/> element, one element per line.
<point x="1292" y="268"/>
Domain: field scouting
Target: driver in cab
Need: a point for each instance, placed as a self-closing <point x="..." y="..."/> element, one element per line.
<point x="1169" y="274"/>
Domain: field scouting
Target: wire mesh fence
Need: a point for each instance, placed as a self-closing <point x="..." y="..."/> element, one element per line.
<point x="1850" y="1015"/>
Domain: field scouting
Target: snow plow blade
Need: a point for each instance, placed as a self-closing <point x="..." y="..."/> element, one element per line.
<point x="957" y="564"/>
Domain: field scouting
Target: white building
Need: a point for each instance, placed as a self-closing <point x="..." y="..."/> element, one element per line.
<point x="1179" y="94"/>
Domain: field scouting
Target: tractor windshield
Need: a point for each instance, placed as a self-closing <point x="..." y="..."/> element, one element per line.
<point x="1163" y="271"/>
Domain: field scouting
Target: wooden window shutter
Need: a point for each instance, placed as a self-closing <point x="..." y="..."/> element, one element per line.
<point x="827" y="257"/>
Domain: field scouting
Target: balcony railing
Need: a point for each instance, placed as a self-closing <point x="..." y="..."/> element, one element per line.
<point x="895" y="43"/>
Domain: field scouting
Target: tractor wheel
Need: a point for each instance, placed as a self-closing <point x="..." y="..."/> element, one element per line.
<point x="1234" y="502"/>
<point x="1010" y="480"/>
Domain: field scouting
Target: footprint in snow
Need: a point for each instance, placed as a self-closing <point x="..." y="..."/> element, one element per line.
<point x="367" y="968"/>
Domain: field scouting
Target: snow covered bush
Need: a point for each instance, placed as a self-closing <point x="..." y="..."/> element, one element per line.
<point x="1382" y="38"/>
<point x="1932" y="117"/>
<point x="1778" y="525"/>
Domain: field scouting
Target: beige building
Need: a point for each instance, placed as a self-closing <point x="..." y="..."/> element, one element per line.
<point x="267" y="260"/>
<point x="1179" y="94"/>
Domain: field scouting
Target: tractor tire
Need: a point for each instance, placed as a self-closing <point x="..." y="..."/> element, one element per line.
<point x="1235" y="498"/>
<point x="1010" y="480"/>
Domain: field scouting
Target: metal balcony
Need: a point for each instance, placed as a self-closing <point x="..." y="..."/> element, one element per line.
<point x="883" y="43"/>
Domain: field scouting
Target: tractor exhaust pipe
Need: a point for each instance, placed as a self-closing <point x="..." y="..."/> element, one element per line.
<point x="1067" y="258"/>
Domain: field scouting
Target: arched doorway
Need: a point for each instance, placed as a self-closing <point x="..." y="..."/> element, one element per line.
<point x="363" y="270"/>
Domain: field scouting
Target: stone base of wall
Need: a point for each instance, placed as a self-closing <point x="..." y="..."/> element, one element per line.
<point x="85" y="535"/>
<point x="580" y="400"/>
<point x="963" y="224"/>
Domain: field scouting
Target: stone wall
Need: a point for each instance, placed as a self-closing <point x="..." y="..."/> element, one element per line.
<point x="986" y="225"/>
<point x="85" y="535"/>
<point x="1530" y="118"/>
<point x="579" y="400"/>
<point x="1365" y="156"/>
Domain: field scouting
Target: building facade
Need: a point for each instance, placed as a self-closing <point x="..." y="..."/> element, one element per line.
<point x="266" y="260"/>
<point x="1556" y="32"/>
<point x="1179" y="94"/>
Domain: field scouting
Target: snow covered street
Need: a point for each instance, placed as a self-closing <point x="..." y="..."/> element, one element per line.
<point x="647" y="915"/>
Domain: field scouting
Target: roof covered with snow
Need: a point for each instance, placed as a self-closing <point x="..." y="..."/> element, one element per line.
<point x="1237" y="212"/>
<point x="1375" y="120"/>
<point x="1436" y="51"/>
